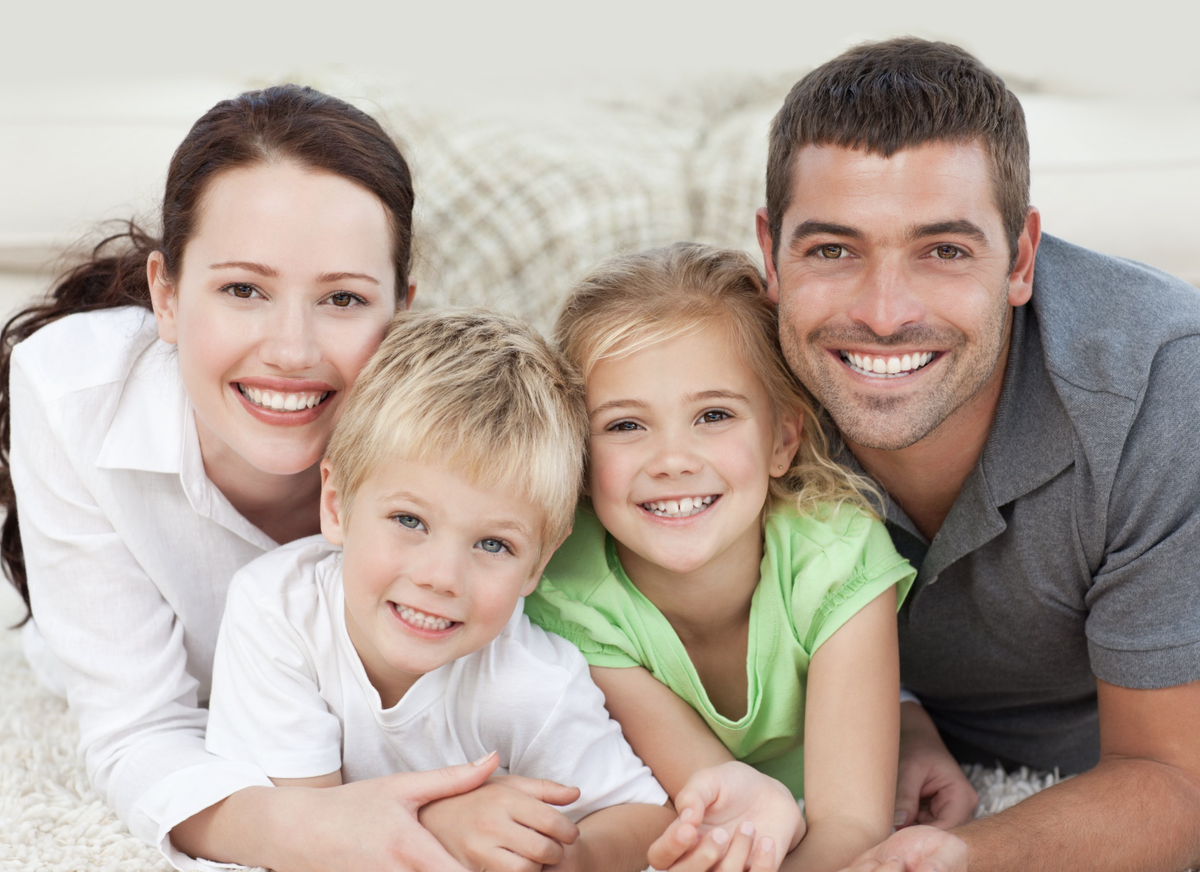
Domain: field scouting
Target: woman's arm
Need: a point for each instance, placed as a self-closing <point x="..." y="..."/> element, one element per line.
<point x="851" y="739"/>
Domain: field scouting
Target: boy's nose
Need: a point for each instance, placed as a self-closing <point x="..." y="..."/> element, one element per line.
<point x="438" y="572"/>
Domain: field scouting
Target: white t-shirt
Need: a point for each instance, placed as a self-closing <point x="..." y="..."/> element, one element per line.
<point x="290" y="694"/>
<point x="129" y="550"/>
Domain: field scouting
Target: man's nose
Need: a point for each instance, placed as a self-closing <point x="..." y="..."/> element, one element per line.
<point x="886" y="298"/>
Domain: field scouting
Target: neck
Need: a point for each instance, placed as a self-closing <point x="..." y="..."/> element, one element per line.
<point x="706" y="602"/>
<point x="925" y="478"/>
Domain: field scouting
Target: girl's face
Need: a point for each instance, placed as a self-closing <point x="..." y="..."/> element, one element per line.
<point x="683" y="446"/>
<point x="285" y="290"/>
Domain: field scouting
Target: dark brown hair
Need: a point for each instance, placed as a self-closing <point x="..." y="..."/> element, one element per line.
<point x="285" y="122"/>
<point x="886" y="96"/>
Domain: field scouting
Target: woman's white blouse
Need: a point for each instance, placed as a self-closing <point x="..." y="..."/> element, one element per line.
<point x="130" y="550"/>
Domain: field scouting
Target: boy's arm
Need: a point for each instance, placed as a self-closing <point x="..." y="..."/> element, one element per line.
<point x="333" y="779"/>
<point x="615" y="839"/>
<point x="851" y="739"/>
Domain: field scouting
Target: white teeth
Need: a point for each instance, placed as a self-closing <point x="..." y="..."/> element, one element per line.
<point x="888" y="367"/>
<point x="683" y="508"/>
<point x="281" y="402"/>
<point x="422" y="620"/>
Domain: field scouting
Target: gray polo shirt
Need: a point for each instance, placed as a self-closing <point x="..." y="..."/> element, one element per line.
<point x="1073" y="549"/>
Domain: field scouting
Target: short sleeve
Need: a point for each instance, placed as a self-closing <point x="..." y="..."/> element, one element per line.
<point x="265" y="707"/>
<point x="1142" y="626"/>
<point x="589" y="626"/>
<point x="837" y="568"/>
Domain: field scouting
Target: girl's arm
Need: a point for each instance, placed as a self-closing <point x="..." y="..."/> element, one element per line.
<point x="676" y="743"/>
<point x="851" y="739"/>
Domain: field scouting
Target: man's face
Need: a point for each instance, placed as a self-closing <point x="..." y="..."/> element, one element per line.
<point x="894" y="286"/>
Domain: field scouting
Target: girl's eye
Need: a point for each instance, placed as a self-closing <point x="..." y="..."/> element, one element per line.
<point x="409" y="521"/>
<point x="831" y="252"/>
<point x="345" y="299"/>
<point x="713" y="416"/>
<point x="623" y="426"/>
<point x="494" y="546"/>
<point x="948" y="252"/>
<point x="241" y="291"/>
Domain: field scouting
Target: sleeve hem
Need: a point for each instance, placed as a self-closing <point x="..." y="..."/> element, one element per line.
<point x="1146" y="670"/>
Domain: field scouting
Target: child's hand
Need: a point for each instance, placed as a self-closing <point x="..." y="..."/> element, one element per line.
<point x="505" y="825"/>
<point x="713" y="806"/>
<point x="915" y="849"/>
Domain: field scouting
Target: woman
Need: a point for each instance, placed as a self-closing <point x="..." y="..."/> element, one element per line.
<point x="168" y="408"/>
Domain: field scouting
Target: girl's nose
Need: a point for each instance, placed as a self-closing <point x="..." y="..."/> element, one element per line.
<point x="674" y="456"/>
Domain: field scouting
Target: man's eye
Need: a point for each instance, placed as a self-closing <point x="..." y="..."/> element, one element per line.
<point x="493" y="546"/>
<point x="712" y="416"/>
<point x="241" y="291"/>
<point x="409" y="521"/>
<point x="831" y="252"/>
<point x="948" y="252"/>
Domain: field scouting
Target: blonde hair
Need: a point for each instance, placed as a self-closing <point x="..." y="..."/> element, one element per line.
<point x="477" y="391"/>
<point x="633" y="301"/>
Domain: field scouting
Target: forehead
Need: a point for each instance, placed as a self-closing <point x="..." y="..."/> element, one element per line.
<point x="930" y="183"/>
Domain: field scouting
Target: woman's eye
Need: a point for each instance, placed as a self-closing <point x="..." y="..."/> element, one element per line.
<point x="241" y="291"/>
<point x="831" y="252"/>
<point x="344" y="299"/>
<point x="948" y="252"/>
<point x="493" y="546"/>
<point x="409" y="521"/>
<point x="623" y="426"/>
<point x="713" y="416"/>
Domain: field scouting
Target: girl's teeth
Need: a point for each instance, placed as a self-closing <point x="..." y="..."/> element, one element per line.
<point x="420" y="619"/>
<point x="683" y="508"/>
<point x="280" y="402"/>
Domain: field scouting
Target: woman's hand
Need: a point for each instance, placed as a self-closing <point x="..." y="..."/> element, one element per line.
<point x="930" y="788"/>
<point x="714" y="807"/>
<point x="506" y="825"/>
<point x="916" y="849"/>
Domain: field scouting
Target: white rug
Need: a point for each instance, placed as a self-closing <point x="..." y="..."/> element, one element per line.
<point x="51" y="819"/>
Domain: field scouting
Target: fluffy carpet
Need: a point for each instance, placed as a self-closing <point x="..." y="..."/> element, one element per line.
<point x="51" y="819"/>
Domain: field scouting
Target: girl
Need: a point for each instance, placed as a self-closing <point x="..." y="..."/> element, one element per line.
<point x="168" y="407"/>
<point x="727" y="563"/>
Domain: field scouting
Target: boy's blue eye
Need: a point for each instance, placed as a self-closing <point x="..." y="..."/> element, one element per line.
<point x="408" y="521"/>
<point x="493" y="546"/>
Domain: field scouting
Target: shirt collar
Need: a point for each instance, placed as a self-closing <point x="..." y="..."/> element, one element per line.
<point x="147" y="430"/>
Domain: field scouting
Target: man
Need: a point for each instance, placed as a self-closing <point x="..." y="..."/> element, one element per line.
<point x="1028" y="408"/>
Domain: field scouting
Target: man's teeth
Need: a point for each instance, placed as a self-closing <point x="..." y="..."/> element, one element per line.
<point x="420" y="619"/>
<point x="683" y="508"/>
<point x="888" y="367"/>
<point x="279" y="401"/>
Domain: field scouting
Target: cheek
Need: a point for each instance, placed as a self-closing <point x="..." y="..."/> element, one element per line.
<point x="350" y="348"/>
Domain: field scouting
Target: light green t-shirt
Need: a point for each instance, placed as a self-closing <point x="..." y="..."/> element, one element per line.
<point x="816" y="573"/>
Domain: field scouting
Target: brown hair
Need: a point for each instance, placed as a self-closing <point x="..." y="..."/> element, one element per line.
<point x="636" y="300"/>
<point x="886" y="96"/>
<point x="284" y="122"/>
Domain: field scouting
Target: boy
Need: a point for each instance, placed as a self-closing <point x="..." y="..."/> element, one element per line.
<point x="448" y="483"/>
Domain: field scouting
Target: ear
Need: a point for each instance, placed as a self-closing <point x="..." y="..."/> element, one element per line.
<point x="1020" y="280"/>
<point x="162" y="297"/>
<point x="762" y="227"/>
<point x="541" y="567"/>
<point x="787" y="444"/>
<point x="332" y="520"/>
<point x="412" y="292"/>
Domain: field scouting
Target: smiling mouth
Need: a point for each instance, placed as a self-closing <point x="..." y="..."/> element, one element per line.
<point x="682" y="508"/>
<point x="887" y="367"/>
<point x="422" y="621"/>
<point x="278" y="401"/>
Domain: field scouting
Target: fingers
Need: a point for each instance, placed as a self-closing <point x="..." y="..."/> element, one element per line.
<point x="763" y="858"/>
<point x="677" y="839"/>
<point x="706" y="854"/>
<point x="738" y="852"/>
<point x="419" y="788"/>
<point x="953" y="804"/>
<point x="701" y="791"/>
<point x="541" y="818"/>
<point x="542" y="789"/>
<point x="909" y="781"/>
<point x="426" y="853"/>
<point x="533" y="847"/>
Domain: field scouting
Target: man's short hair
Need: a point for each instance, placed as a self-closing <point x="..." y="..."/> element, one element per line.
<point x="474" y="390"/>
<point x="886" y="96"/>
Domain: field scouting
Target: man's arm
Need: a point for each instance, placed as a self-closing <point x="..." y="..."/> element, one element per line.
<point x="1137" y="811"/>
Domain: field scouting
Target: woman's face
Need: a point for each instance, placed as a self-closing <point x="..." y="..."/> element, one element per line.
<point x="285" y="289"/>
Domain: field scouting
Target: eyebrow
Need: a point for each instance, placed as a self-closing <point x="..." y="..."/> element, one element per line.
<point x="960" y="226"/>
<point x="271" y="272"/>
<point x="807" y="229"/>
<point x="718" y="395"/>
<point x="616" y="404"/>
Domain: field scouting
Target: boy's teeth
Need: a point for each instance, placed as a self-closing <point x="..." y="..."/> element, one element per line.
<point x="887" y="366"/>
<point x="683" y="508"/>
<point x="420" y="619"/>
<point x="281" y="402"/>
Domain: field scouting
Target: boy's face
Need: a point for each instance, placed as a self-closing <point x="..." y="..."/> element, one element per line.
<point x="432" y="566"/>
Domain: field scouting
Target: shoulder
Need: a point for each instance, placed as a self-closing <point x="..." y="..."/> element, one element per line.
<point x="578" y="583"/>
<point x="1103" y="320"/>
<point x="290" y="581"/>
<point x="86" y="350"/>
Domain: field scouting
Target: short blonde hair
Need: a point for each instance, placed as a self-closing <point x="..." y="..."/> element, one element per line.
<point x="478" y="391"/>
<point x="636" y="300"/>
